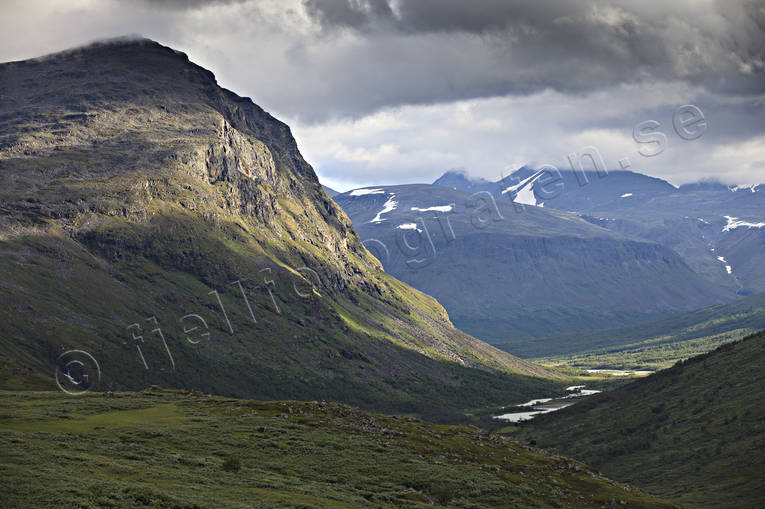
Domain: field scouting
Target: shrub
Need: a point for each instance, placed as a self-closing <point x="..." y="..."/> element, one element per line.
<point x="232" y="464"/>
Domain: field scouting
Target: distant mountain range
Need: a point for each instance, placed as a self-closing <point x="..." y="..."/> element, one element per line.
<point x="506" y="273"/>
<point x="521" y="264"/>
<point x="718" y="230"/>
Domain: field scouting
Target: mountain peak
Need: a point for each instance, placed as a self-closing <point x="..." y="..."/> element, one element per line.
<point x="116" y="65"/>
<point x="458" y="179"/>
<point x="125" y="43"/>
<point x="705" y="185"/>
<point x="456" y="172"/>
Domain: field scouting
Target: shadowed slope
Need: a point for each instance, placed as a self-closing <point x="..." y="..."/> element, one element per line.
<point x="692" y="433"/>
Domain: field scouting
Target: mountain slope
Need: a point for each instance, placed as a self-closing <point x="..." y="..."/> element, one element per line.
<point x="718" y="230"/>
<point x="330" y="192"/>
<point x="507" y="274"/>
<point x="133" y="450"/>
<point x="173" y="231"/>
<point x="721" y="233"/>
<point x="692" y="433"/>
<point x="707" y="326"/>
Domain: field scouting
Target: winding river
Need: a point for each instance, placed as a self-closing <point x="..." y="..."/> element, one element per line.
<point x="546" y="405"/>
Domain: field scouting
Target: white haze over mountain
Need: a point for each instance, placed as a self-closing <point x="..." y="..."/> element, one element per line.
<point x="397" y="91"/>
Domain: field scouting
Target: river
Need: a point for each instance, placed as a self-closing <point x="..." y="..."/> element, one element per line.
<point x="546" y="405"/>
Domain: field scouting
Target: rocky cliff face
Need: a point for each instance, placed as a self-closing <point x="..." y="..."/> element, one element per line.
<point x="139" y="193"/>
<point x="125" y="109"/>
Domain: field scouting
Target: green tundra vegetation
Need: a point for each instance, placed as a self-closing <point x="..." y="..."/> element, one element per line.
<point x="181" y="449"/>
<point x="692" y="433"/>
<point x="659" y="344"/>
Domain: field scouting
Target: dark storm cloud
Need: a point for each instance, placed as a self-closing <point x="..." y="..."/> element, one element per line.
<point x="427" y="15"/>
<point x="577" y="45"/>
<point x="358" y="15"/>
<point x="188" y="4"/>
<point x="322" y="59"/>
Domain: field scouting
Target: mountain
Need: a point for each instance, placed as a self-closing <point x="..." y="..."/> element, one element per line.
<point x="134" y="450"/>
<point x="330" y="192"/>
<point x="656" y="344"/>
<point x="508" y="274"/>
<point x="692" y="433"/>
<point x="718" y="230"/>
<point x="586" y="191"/>
<point x="172" y="231"/>
<point x="461" y="181"/>
<point x="707" y="185"/>
<point x="720" y="233"/>
<point x="580" y="192"/>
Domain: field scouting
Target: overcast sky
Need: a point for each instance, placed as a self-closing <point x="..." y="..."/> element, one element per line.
<point x="399" y="91"/>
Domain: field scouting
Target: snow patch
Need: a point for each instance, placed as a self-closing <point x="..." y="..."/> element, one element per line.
<point x="734" y="222"/>
<point x="389" y="206"/>
<point x="752" y="188"/>
<point x="524" y="192"/>
<point x="440" y="208"/>
<point x="526" y="195"/>
<point x="364" y="192"/>
<point x="408" y="226"/>
<point x="728" y="268"/>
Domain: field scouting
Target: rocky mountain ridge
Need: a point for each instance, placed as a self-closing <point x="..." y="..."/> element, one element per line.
<point x="717" y="229"/>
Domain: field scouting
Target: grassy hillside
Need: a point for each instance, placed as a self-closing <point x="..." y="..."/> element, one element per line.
<point x="651" y="354"/>
<point x="344" y="346"/>
<point x="693" y="433"/>
<point x="656" y="344"/>
<point x="184" y="450"/>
